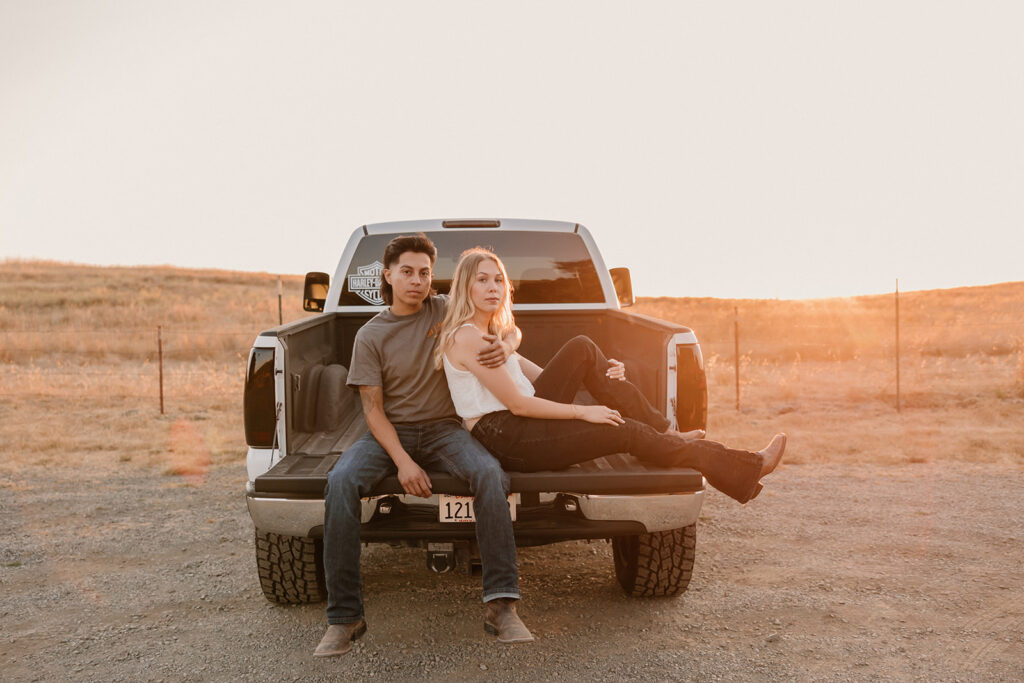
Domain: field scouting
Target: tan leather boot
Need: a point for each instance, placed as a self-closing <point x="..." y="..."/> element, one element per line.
<point x="339" y="638"/>
<point x="772" y="453"/>
<point x="501" y="619"/>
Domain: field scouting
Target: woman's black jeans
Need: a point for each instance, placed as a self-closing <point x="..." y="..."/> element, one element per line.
<point x="526" y="444"/>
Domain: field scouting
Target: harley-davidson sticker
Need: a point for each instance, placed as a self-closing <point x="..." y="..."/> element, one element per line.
<point x="366" y="283"/>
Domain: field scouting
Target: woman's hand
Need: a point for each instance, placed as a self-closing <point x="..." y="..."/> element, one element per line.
<point x="599" y="415"/>
<point x="616" y="370"/>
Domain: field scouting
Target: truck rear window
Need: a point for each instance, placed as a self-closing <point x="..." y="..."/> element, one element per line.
<point x="544" y="267"/>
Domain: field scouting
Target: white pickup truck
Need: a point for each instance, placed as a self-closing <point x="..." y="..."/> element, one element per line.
<point x="300" y="416"/>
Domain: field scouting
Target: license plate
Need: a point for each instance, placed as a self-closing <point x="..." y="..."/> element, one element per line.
<point x="460" y="508"/>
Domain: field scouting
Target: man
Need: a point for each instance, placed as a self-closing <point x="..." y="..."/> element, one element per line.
<point x="413" y="425"/>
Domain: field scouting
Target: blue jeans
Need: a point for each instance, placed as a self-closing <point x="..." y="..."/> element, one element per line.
<point x="440" y="445"/>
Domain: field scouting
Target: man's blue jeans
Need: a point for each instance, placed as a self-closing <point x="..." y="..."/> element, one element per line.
<point x="441" y="445"/>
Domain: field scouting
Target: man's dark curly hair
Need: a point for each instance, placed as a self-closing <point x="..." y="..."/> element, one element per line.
<point x="418" y="243"/>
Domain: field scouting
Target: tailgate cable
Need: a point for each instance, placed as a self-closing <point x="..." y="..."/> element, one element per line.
<point x="273" y="444"/>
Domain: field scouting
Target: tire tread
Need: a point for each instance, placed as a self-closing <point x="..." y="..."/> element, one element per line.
<point x="290" y="568"/>
<point x="658" y="564"/>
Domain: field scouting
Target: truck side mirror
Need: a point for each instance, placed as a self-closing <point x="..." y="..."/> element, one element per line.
<point x="623" y="286"/>
<point x="314" y="291"/>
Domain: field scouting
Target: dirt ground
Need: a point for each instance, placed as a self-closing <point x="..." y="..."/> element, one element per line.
<point x="876" y="573"/>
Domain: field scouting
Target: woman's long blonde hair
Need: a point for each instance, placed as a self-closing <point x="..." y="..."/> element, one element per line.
<point x="460" y="304"/>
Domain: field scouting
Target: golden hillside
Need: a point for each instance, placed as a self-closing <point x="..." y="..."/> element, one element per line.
<point x="49" y="308"/>
<point x="942" y="322"/>
<point x="78" y="312"/>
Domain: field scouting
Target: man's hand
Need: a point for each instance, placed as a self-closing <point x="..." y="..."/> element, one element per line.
<point x="495" y="353"/>
<point x="414" y="480"/>
<point x="411" y="476"/>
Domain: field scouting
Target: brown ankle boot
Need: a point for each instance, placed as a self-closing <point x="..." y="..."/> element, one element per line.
<point x="500" y="619"/>
<point x="339" y="638"/>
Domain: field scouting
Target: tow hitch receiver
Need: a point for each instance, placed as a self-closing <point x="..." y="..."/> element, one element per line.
<point x="441" y="557"/>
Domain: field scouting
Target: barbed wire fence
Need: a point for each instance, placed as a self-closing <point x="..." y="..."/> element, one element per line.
<point x="140" y="361"/>
<point x="746" y="349"/>
<point x="145" y="360"/>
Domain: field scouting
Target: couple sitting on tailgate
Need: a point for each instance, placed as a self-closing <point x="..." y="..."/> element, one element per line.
<point x="521" y="413"/>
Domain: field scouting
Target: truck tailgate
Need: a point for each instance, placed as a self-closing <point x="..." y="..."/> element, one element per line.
<point x="305" y="476"/>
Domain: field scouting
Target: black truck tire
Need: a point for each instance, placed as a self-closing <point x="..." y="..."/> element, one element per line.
<point x="658" y="564"/>
<point x="291" y="568"/>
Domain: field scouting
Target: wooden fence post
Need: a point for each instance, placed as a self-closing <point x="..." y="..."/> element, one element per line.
<point x="160" y="361"/>
<point x="898" y="409"/>
<point x="736" y="350"/>
<point x="1020" y="366"/>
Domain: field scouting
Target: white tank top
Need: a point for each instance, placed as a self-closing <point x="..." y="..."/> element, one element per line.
<point x="471" y="398"/>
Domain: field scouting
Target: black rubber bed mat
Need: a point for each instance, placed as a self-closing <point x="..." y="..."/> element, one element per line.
<point x="306" y="476"/>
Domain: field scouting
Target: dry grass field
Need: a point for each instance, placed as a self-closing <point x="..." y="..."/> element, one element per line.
<point x="78" y="351"/>
<point x="825" y="371"/>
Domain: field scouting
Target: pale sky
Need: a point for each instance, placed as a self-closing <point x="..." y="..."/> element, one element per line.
<point x="727" y="149"/>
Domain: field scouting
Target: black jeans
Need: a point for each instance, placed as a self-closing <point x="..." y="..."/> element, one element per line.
<point x="527" y="444"/>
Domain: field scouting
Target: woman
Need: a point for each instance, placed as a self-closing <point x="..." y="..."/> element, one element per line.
<point x="525" y="415"/>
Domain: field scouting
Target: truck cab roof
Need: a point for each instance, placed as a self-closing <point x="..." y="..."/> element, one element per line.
<point x="434" y="225"/>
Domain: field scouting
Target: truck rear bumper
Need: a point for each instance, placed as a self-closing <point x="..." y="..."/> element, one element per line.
<point x="657" y="512"/>
<point x="592" y="516"/>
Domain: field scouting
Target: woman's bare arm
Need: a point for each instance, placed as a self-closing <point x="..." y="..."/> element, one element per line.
<point x="467" y="344"/>
<point x="617" y="370"/>
<point x="530" y="369"/>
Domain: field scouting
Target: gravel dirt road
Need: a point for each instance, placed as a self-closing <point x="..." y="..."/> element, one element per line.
<point x="907" y="572"/>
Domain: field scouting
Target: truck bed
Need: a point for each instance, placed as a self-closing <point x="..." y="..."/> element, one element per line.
<point x="323" y="416"/>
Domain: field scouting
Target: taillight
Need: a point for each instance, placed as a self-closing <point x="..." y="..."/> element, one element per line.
<point x="259" y="399"/>
<point x="691" y="389"/>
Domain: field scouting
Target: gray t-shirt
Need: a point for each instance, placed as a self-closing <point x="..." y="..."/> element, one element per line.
<point x="396" y="352"/>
